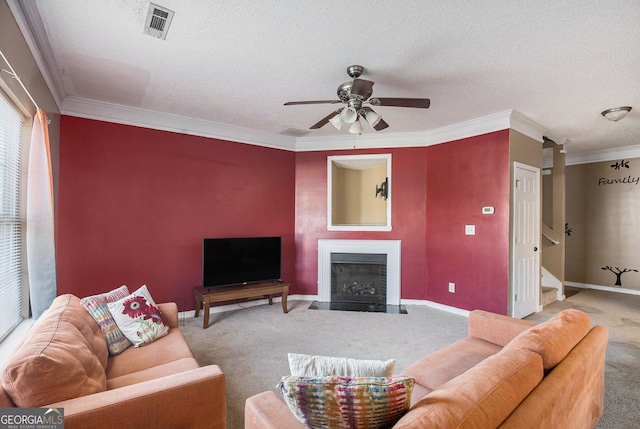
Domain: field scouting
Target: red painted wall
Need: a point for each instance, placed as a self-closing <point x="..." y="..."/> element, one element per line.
<point x="436" y="191"/>
<point x="464" y="176"/>
<point x="408" y="194"/>
<point x="134" y="205"/>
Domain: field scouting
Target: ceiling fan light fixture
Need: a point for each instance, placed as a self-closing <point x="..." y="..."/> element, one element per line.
<point x="349" y="115"/>
<point x="616" y="113"/>
<point x="354" y="94"/>
<point x="336" y="121"/>
<point x="372" y="117"/>
<point x="356" y="128"/>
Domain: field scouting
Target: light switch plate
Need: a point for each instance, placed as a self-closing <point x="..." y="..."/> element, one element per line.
<point x="470" y="230"/>
<point x="488" y="210"/>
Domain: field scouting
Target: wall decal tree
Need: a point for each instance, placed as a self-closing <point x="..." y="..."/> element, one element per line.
<point x="618" y="272"/>
<point x="620" y="164"/>
<point x="567" y="230"/>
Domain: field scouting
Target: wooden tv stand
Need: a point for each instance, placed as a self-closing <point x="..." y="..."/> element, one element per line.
<point x="205" y="296"/>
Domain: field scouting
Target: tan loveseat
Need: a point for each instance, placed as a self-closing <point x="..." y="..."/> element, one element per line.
<point x="507" y="373"/>
<point x="64" y="358"/>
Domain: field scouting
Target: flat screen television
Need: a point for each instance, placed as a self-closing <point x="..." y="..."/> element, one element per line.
<point x="242" y="260"/>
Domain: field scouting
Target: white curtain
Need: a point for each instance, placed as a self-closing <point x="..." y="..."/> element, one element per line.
<point x="41" y="260"/>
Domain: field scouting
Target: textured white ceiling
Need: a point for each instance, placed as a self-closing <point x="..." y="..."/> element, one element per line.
<point x="559" y="63"/>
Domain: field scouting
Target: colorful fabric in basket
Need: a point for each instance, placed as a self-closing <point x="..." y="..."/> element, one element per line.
<point x="344" y="402"/>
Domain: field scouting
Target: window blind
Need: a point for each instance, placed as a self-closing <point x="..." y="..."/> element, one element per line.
<point x="11" y="225"/>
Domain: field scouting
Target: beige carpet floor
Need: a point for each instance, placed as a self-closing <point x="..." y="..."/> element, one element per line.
<point x="251" y="344"/>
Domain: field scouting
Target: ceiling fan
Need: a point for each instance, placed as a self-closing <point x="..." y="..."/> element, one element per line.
<point x="354" y="94"/>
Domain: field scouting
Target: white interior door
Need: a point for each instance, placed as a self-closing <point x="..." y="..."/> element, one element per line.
<point x="526" y="241"/>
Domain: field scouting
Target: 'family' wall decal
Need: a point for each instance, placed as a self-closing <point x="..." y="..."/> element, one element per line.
<point x="616" y="181"/>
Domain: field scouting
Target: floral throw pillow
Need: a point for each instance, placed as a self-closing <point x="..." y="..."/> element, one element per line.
<point x="138" y="317"/>
<point x="96" y="306"/>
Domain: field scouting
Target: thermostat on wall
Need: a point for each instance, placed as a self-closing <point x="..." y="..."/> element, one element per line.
<point x="488" y="210"/>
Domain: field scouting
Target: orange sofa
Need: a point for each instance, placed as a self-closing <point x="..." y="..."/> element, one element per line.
<point x="508" y="373"/>
<point x="64" y="363"/>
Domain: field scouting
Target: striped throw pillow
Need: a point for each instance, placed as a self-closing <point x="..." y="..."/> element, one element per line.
<point x="96" y="306"/>
<point x="344" y="402"/>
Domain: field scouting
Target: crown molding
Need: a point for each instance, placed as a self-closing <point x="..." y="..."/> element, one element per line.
<point x="90" y="109"/>
<point x="28" y="19"/>
<point x="509" y="119"/>
<point x="603" y="155"/>
<point x="526" y="126"/>
<point x="362" y="141"/>
<point x="474" y="127"/>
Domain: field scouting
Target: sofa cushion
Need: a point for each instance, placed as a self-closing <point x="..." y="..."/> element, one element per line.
<point x="97" y="308"/>
<point x="344" y="402"/>
<point x="138" y="317"/>
<point x="555" y="338"/>
<point x="437" y="368"/>
<point x="320" y="366"/>
<point x="169" y="348"/>
<point x="63" y="356"/>
<point x="158" y="371"/>
<point x="482" y="397"/>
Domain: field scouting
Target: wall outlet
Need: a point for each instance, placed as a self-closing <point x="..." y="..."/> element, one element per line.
<point x="470" y="229"/>
<point x="452" y="287"/>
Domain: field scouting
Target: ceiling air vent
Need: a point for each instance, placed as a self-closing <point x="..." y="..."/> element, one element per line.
<point x="158" y="21"/>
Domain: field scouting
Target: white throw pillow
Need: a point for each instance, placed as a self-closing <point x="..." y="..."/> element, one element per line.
<point x="138" y="317"/>
<point x="322" y="366"/>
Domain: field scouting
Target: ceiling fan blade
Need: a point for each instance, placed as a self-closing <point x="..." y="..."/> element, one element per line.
<point x="322" y="122"/>
<point x="381" y="125"/>
<point x="362" y="87"/>
<point x="422" y="103"/>
<point x="295" y="103"/>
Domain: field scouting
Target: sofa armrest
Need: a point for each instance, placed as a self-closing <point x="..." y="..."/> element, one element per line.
<point x="572" y="394"/>
<point x="170" y="311"/>
<point x="267" y="410"/>
<point x="193" y="399"/>
<point x="496" y="328"/>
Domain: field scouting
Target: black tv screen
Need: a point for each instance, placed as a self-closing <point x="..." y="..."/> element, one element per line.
<point x="236" y="261"/>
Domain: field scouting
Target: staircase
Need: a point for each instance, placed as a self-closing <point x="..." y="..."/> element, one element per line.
<point x="549" y="295"/>
<point x="551" y="288"/>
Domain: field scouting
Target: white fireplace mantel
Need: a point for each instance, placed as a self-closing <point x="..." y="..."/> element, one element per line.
<point x="391" y="248"/>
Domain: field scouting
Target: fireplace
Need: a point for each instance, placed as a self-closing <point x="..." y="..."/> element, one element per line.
<point x="360" y="275"/>
<point x="359" y="278"/>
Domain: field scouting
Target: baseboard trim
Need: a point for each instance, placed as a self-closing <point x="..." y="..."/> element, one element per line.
<point x="437" y="306"/>
<point x="603" y="288"/>
<point x="253" y="303"/>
